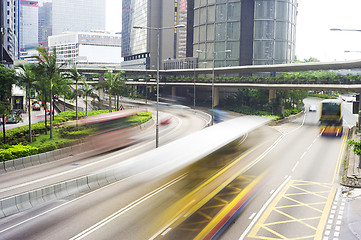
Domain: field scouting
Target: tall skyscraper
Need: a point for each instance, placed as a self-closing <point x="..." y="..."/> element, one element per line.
<point x="78" y="15"/>
<point x="9" y="26"/>
<point x="140" y="46"/>
<point x="44" y="22"/>
<point x="28" y="25"/>
<point x="256" y="32"/>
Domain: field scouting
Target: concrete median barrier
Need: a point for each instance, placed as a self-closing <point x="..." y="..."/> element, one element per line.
<point x="23" y="202"/>
<point x="9" y="166"/>
<point x="36" y="197"/>
<point x="82" y="184"/>
<point x="18" y="164"/>
<point x="8" y="206"/>
<point x="35" y="160"/>
<point x="102" y="179"/>
<point x="93" y="181"/>
<point x="48" y="193"/>
<point x="71" y="187"/>
<point x="2" y="167"/>
<point x="27" y="162"/>
<point x="60" y="190"/>
<point x="42" y="158"/>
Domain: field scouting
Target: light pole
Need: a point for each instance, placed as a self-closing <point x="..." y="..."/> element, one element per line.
<point x="158" y="50"/>
<point x="359" y="104"/>
<point x="214" y="56"/>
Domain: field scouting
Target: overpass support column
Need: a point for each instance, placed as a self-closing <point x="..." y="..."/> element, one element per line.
<point x="101" y="93"/>
<point x="174" y="92"/>
<point x="271" y="95"/>
<point x="216" y="96"/>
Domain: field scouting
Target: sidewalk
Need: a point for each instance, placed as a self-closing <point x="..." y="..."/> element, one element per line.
<point x="351" y="181"/>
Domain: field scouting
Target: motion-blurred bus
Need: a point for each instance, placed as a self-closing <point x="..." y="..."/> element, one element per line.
<point x="331" y="117"/>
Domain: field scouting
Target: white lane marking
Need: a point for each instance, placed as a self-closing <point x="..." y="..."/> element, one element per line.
<point x="84" y="166"/>
<point x="272" y="191"/>
<point x="252" y="216"/>
<point x="76" y="199"/>
<point x="294" y="168"/>
<point x="285" y="177"/>
<point x="166" y="231"/>
<point x="125" y="209"/>
<point x="314" y="140"/>
<point x="303" y="155"/>
<point x="250" y="226"/>
<point x="249" y="166"/>
<point x="309" y="147"/>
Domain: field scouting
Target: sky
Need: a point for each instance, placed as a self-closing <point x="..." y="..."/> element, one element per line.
<point x="314" y="38"/>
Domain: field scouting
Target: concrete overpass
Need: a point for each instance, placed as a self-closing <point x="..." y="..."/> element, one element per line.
<point x="276" y="68"/>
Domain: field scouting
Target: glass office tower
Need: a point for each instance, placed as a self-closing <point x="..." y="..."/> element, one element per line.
<point x="256" y="32"/>
<point x="28" y="25"/>
<point x="78" y="15"/>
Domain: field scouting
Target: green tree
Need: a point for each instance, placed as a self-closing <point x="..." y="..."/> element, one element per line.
<point x="87" y="91"/>
<point x="7" y="79"/>
<point x="51" y="71"/>
<point x="26" y="78"/>
<point x="75" y="76"/>
<point x="113" y="84"/>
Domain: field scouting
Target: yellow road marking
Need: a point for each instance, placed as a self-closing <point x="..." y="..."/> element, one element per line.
<point x="298" y="185"/>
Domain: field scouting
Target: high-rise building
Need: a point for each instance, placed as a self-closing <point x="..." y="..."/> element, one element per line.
<point x="78" y="15"/>
<point x="28" y="25"/>
<point x="256" y="32"/>
<point x="9" y="26"/>
<point x="140" y="46"/>
<point x="44" y="22"/>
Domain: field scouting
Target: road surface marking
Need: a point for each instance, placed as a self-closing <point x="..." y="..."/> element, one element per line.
<point x="294" y="168"/>
<point x="272" y="192"/>
<point x="251" y="225"/>
<point x="71" y="201"/>
<point x="303" y="155"/>
<point x="125" y="209"/>
<point x="252" y="216"/>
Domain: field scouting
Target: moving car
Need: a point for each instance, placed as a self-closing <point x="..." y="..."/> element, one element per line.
<point x="36" y="107"/>
<point x="313" y="108"/>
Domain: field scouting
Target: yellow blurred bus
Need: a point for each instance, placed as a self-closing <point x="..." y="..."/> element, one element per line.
<point x="331" y="118"/>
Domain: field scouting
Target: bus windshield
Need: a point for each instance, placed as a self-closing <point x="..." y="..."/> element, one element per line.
<point x="331" y="109"/>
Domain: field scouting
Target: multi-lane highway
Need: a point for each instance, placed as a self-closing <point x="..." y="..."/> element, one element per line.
<point x="293" y="202"/>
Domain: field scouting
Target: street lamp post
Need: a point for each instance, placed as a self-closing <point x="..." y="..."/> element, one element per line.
<point x="214" y="56"/>
<point x="158" y="51"/>
<point x="359" y="105"/>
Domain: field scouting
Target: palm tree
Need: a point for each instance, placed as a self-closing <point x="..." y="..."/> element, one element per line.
<point x="7" y="79"/>
<point x="26" y="78"/>
<point x="112" y="83"/>
<point x="74" y="75"/>
<point x="87" y="92"/>
<point x="50" y="69"/>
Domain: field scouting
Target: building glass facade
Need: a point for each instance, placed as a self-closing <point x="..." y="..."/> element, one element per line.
<point x="78" y="15"/>
<point x="256" y="32"/>
<point x="28" y="25"/>
<point x="9" y="14"/>
<point x="44" y="22"/>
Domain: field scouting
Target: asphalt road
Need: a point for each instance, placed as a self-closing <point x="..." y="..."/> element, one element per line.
<point x="293" y="202"/>
<point x="182" y="123"/>
<point x="296" y="200"/>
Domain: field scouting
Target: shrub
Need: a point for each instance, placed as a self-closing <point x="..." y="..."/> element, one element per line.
<point x="17" y="151"/>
